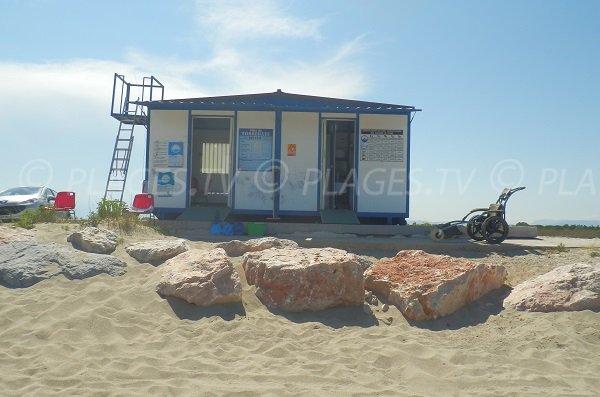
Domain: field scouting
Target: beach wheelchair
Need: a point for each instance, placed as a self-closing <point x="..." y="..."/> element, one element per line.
<point x="487" y="224"/>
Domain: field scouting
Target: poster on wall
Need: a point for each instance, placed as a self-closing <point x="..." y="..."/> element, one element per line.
<point x="291" y="149"/>
<point x="175" y="154"/>
<point x="255" y="151"/>
<point x="168" y="154"/>
<point x="382" y="145"/>
<point x="159" y="154"/>
<point x="165" y="184"/>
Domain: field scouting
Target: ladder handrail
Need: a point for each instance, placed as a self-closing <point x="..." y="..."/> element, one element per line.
<point x="120" y="161"/>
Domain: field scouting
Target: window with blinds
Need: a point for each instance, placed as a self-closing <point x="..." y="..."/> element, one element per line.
<point x="215" y="158"/>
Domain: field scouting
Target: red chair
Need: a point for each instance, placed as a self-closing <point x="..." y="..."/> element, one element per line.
<point x="142" y="204"/>
<point x="64" y="202"/>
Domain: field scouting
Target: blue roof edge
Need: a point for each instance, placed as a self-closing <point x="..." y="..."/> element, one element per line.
<point x="279" y="100"/>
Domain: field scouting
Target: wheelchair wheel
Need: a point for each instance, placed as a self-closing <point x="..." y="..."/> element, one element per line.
<point x="474" y="227"/>
<point x="494" y="229"/>
<point x="437" y="234"/>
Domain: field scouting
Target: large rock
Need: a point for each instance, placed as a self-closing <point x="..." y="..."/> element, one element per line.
<point x="92" y="239"/>
<point x="200" y="277"/>
<point x="306" y="279"/>
<point x="425" y="286"/>
<point x="566" y="288"/>
<point x="239" y="248"/>
<point x="25" y="263"/>
<point x="157" y="251"/>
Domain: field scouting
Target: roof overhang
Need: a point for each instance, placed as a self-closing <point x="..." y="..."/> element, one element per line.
<point x="281" y="101"/>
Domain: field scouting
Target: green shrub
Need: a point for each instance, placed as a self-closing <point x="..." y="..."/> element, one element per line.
<point x="26" y="220"/>
<point x="128" y="223"/>
<point x="561" y="248"/>
<point x="110" y="209"/>
<point x="30" y="217"/>
<point x="594" y="254"/>
<point x="113" y="214"/>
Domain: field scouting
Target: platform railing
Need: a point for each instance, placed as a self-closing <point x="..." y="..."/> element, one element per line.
<point x="126" y="97"/>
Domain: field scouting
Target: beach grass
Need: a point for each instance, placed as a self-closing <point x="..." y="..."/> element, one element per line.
<point x="109" y="213"/>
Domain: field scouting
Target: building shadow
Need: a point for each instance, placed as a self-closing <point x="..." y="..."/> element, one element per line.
<point x="188" y="311"/>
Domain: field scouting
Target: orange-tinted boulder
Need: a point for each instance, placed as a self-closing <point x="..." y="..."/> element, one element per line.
<point x="425" y="286"/>
<point x="306" y="279"/>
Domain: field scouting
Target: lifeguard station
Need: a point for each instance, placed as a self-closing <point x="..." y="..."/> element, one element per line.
<point x="274" y="155"/>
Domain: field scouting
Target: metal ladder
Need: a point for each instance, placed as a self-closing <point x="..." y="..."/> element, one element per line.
<point x="117" y="175"/>
<point x="129" y="113"/>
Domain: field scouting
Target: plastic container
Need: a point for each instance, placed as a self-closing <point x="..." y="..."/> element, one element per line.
<point x="256" y="229"/>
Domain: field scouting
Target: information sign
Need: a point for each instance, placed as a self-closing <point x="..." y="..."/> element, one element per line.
<point x="382" y="145"/>
<point x="255" y="149"/>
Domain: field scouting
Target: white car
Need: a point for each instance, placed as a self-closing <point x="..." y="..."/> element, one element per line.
<point x="16" y="200"/>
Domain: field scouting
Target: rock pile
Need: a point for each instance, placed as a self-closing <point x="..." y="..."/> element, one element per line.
<point x="425" y="286"/>
<point x="306" y="279"/>
<point x="93" y="239"/>
<point x="156" y="251"/>
<point x="25" y="263"/>
<point x="200" y="277"/>
<point x="239" y="248"/>
<point x="566" y="288"/>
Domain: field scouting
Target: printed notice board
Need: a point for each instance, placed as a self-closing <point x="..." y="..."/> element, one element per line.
<point x="381" y="145"/>
<point x="255" y="149"/>
<point x="159" y="154"/>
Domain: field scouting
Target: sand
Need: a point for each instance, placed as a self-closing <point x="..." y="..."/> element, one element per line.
<point x="107" y="336"/>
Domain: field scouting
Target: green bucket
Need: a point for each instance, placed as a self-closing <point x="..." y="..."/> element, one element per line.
<point x="256" y="229"/>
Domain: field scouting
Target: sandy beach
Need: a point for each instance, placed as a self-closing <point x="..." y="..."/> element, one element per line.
<point x="107" y="336"/>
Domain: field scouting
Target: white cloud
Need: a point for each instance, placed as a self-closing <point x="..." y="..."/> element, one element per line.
<point x="77" y="92"/>
<point x="240" y="20"/>
<point x="337" y="76"/>
<point x="64" y="93"/>
<point x="82" y="89"/>
<point x="347" y="50"/>
<point x="247" y="57"/>
<point x="233" y="70"/>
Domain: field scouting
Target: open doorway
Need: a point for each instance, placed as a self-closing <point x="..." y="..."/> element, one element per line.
<point x="211" y="162"/>
<point x="339" y="164"/>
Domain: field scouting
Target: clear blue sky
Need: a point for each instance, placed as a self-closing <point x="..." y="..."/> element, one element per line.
<point x="510" y="91"/>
